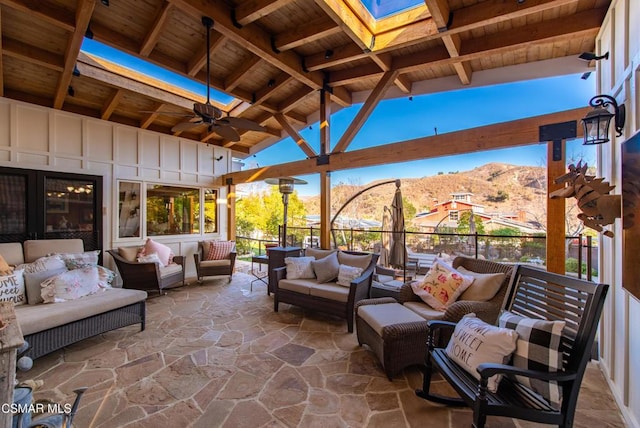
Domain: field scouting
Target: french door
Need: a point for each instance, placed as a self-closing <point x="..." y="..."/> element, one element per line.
<point x="50" y="205"/>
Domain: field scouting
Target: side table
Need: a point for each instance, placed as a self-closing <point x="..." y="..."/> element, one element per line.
<point x="259" y="273"/>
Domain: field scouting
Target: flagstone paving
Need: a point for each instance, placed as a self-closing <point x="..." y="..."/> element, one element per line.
<point x="216" y="355"/>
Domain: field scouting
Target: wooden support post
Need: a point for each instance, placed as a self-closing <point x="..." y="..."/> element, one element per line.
<point x="325" y="210"/>
<point x="556" y="166"/>
<point x="10" y="340"/>
<point x="325" y="116"/>
<point x="231" y="212"/>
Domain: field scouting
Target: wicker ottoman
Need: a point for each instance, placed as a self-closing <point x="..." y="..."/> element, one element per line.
<point x="397" y="335"/>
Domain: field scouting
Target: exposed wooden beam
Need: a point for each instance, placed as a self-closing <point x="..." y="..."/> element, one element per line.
<point x="111" y="104"/>
<point x="556" y="230"/>
<point x="278" y="82"/>
<point x="581" y="24"/>
<point x="32" y="54"/>
<point x="325" y="209"/>
<point x="252" y="10"/>
<point x="43" y="11"/>
<point x="84" y="11"/>
<point x="153" y="35"/>
<point x="403" y="83"/>
<point x="349" y="21"/>
<point x="199" y="61"/>
<point x="468" y="18"/>
<point x="365" y="111"/>
<point x="497" y="136"/>
<point x="297" y="138"/>
<point x="236" y="76"/>
<point x="294" y="99"/>
<point x="325" y="122"/>
<point x="439" y="10"/>
<point x="314" y="30"/>
<point x="258" y="41"/>
<point x="148" y="118"/>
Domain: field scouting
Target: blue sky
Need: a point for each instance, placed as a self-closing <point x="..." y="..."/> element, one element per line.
<point x="402" y="119"/>
<point x="383" y="8"/>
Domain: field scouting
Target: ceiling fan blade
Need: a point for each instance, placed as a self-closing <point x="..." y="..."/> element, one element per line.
<point x="242" y="123"/>
<point x="184" y="126"/>
<point x="226" y="132"/>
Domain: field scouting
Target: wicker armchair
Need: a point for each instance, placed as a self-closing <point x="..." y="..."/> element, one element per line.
<point x="149" y="276"/>
<point x="213" y="267"/>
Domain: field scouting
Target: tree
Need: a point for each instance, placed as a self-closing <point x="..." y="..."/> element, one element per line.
<point x="263" y="213"/>
<point x="464" y="226"/>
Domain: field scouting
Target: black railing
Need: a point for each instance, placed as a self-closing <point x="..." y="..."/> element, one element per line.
<point x="581" y="255"/>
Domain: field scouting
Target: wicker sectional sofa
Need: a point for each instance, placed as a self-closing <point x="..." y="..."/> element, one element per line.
<point x="51" y="326"/>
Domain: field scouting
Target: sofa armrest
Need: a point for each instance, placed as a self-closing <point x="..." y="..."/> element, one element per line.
<point x="279" y="273"/>
<point x="407" y="294"/>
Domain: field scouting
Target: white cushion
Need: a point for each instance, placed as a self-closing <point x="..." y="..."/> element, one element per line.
<point x="475" y="342"/>
<point x="213" y="263"/>
<point x="12" y="288"/>
<point x="346" y="274"/>
<point x="327" y="268"/>
<point x="34" y="249"/>
<point x="331" y="291"/>
<point x="301" y="286"/>
<point x="317" y="253"/>
<point x="484" y="287"/>
<point x="299" y="267"/>
<point x="38" y="271"/>
<point x="424" y="310"/>
<point x="171" y="269"/>
<point x="358" y="260"/>
<point x="380" y="316"/>
<point x="76" y="283"/>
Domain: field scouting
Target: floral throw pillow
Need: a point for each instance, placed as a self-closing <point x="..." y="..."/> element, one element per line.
<point x="76" y="283"/>
<point x="441" y="286"/>
<point x="299" y="267"/>
<point x="80" y="260"/>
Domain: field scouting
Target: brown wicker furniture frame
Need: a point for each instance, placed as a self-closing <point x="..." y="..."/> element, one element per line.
<point x="405" y="344"/>
<point x="401" y="345"/>
<point x="538" y="294"/>
<point x="202" y="271"/>
<point x="47" y="341"/>
<point x="146" y="276"/>
<point x="358" y="290"/>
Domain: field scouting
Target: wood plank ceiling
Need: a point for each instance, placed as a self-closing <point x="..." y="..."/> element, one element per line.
<point x="273" y="56"/>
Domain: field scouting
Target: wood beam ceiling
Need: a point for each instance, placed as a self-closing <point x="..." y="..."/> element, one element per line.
<point x="111" y="103"/>
<point x="148" y="118"/>
<point x="314" y="30"/>
<point x="256" y="40"/>
<point x="84" y="11"/>
<point x="583" y="23"/>
<point x="44" y="11"/>
<point x="252" y="10"/>
<point x="32" y="55"/>
<point x="234" y="79"/>
<point x="498" y="136"/>
<point x="199" y="60"/>
<point x="297" y="138"/>
<point x="154" y="33"/>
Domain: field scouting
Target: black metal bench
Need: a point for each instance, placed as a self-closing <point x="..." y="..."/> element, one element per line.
<point x="533" y="294"/>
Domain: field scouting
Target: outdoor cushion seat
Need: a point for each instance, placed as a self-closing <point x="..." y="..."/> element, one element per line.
<point x="215" y="267"/>
<point x="171" y="269"/>
<point x="424" y="310"/>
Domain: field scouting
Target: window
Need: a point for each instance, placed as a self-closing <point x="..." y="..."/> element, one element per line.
<point x="129" y="210"/>
<point x="454" y="215"/>
<point x="173" y="210"/>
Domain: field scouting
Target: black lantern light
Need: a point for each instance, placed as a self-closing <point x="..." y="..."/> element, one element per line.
<point x="285" y="186"/>
<point x="596" y="122"/>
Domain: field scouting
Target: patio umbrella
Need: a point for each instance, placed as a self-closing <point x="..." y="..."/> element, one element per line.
<point x="398" y="251"/>
<point x="385" y="239"/>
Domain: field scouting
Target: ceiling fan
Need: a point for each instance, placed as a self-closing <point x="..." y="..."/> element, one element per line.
<point x="212" y="115"/>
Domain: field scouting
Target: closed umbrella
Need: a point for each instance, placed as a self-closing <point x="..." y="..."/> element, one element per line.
<point x="385" y="239"/>
<point x="397" y="253"/>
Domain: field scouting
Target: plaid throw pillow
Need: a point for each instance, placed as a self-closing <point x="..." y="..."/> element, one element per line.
<point x="219" y="250"/>
<point x="537" y="349"/>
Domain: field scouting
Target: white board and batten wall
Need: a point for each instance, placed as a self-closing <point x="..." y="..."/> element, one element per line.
<point x="619" y="76"/>
<point x="35" y="137"/>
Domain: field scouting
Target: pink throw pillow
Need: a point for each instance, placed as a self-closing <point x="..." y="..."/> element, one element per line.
<point x="219" y="250"/>
<point x="164" y="253"/>
<point x="441" y="286"/>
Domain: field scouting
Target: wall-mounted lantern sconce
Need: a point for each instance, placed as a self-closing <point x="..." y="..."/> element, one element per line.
<point x="596" y="122"/>
<point x="219" y="158"/>
<point x="285" y="186"/>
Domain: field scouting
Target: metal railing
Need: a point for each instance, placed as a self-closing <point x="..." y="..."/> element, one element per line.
<point x="581" y="254"/>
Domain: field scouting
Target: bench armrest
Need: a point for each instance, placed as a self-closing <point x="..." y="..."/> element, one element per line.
<point x="486" y="370"/>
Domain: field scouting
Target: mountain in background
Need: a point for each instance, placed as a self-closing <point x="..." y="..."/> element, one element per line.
<point x="499" y="187"/>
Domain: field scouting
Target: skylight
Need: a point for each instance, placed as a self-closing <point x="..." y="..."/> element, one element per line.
<point x="384" y="8"/>
<point x="144" y="67"/>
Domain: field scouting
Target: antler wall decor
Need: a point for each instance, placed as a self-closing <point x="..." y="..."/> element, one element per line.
<point x="598" y="207"/>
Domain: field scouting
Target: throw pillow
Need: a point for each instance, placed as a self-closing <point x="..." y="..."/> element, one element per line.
<point x="219" y="250"/>
<point x="346" y="274"/>
<point x="299" y="267"/>
<point x="164" y="253"/>
<point x="358" y="260"/>
<point x="317" y="253"/>
<point x="73" y="284"/>
<point x="5" y="269"/>
<point x="475" y="342"/>
<point x="129" y="253"/>
<point x="327" y="268"/>
<point x="80" y="260"/>
<point x="12" y="288"/>
<point x="538" y="348"/>
<point x="150" y="258"/>
<point x="38" y="271"/>
<point x="441" y="286"/>
<point x="484" y="287"/>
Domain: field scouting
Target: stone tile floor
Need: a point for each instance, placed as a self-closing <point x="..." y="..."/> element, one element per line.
<point x="217" y="355"/>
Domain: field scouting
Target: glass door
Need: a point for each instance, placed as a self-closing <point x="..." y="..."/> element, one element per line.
<point x="17" y="205"/>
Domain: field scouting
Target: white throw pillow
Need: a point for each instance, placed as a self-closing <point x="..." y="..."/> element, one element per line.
<point x="346" y="274"/>
<point x="475" y="342"/>
<point x="299" y="267"/>
<point x="80" y="260"/>
<point x="150" y="258"/>
<point x="484" y="287"/>
<point x="326" y="268"/>
<point x="38" y="271"/>
<point x="76" y="283"/>
<point x="441" y="286"/>
<point x="12" y="288"/>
